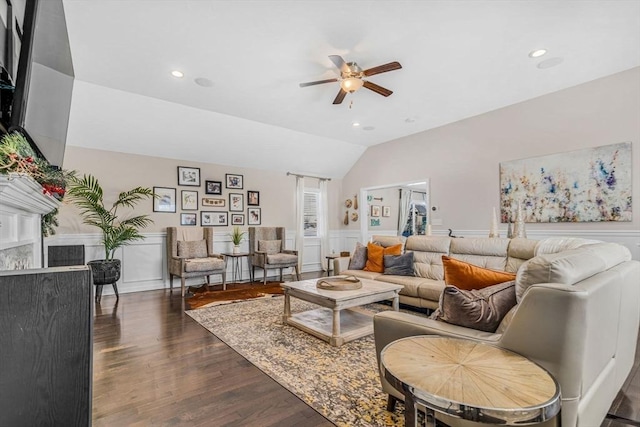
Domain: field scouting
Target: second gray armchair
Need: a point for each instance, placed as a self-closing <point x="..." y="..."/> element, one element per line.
<point x="266" y="251"/>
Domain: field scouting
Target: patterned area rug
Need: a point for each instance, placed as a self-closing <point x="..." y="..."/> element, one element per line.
<point x="341" y="383"/>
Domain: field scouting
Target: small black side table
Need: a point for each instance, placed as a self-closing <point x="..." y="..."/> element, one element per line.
<point x="329" y="259"/>
<point x="236" y="264"/>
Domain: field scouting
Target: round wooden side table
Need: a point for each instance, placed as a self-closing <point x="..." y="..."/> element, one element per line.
<point x="469" y="380"/>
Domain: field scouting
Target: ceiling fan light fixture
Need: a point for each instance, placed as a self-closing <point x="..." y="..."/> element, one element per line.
<point x="351" y="84"/>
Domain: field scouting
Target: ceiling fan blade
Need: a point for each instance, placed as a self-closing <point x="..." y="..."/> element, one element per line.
<point x="339" y="62"/>
<point x="340" y="97"/>
<point x="319" y="82"/>
<point x="377" y="89"/>
<point x="395" y="65"/>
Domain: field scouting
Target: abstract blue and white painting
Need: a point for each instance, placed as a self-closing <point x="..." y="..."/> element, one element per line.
<point x="587" y="185"/>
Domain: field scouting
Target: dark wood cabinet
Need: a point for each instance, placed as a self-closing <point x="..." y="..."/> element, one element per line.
<point x="46" y="325"/>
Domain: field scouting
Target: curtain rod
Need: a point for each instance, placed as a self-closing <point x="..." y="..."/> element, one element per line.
<point x="308" y="176"/>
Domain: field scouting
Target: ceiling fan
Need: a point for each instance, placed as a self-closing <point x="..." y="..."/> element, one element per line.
<point x="351" y="77"/>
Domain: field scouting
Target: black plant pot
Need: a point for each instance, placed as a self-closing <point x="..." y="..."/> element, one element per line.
<point x="105" y="272"/>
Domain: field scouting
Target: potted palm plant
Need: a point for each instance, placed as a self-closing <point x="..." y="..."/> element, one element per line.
<point x="236" y="239"/>
<point x="87" y="194"/>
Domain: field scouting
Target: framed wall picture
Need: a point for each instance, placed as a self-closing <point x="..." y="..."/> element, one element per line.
<point x="214" y="202"/>
<point x="220" y="219"/>
<point x="189" y="200"/>
<point x="253" y="198"/>
<point x="254" y="216"/>
<point x="233" y="181"/>
<point x="386" y="211"/>
<point x="237" y="219"/>
<point x="188" y="176"/>
<point x="164" y="199"/>
<point x="213" y="187"/>
<point x="236" y="202"/>
<point x="375" y="210"/>
<point x="188" y="218"/>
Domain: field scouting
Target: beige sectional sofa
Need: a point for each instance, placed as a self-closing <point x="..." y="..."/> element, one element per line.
<point x="423" y="290"/>
<point x="578" y="313"/>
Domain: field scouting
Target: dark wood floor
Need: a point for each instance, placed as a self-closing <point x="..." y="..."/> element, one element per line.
<point x="153" y="365"/>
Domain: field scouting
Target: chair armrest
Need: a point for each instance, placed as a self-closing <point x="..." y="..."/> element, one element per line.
<point x="220" y="256"/>
<point x="289" y="251"/>
<point x="341" y="264"/>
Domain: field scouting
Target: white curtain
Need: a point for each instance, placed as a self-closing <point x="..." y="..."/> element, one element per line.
<point x="405" y="204"/>
<point x="323" y="220"/>
<point x="300" y="219"/>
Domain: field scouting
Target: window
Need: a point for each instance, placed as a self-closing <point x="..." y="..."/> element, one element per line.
<point x="311" y="209"/>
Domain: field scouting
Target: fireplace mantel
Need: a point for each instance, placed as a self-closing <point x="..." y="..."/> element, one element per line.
<point x="22" y="203"/>
<point x="23" y="193"/>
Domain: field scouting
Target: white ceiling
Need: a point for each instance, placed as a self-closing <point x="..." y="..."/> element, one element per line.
<point x="459" y="59"/>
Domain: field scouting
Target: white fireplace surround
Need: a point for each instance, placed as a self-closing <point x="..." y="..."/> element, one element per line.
<point x="22" y="203"/>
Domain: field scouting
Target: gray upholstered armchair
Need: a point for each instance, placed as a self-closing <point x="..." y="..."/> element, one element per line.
<point x="190" y="254"/>
<point x="266" y="250"/>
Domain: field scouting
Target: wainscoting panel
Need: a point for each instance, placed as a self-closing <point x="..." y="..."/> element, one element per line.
<point x="144" y="262"/>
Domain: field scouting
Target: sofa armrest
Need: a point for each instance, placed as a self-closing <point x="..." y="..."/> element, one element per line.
<point x="219" y="256"/>
<point x="341" y="264"/>
<point x="289" y="251"/>
<point x="390" y="326"/>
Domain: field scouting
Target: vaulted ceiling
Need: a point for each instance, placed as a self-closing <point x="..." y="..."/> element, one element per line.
<point x="239" y="102"/>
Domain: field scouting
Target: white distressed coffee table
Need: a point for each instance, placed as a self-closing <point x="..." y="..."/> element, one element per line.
<point x="340" y="318"/>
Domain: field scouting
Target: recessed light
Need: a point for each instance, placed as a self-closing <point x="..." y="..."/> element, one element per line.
<point x="178" y="74"/>
<point x="355" y="124"/>
<point x="537" y="53"/>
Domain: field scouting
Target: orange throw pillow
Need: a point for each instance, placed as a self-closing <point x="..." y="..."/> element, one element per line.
<point x="375" y="256"/>
<point x="468" y="276"/>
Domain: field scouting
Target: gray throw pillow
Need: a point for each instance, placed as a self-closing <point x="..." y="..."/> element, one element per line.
<point x="192" y="248"/>
<point x="481" y="309"/>
<point x="359" y="258"/>
<point x="271" y="247"/>
<point x="399" y="265"/>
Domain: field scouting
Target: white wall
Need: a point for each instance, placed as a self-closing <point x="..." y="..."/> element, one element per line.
<point x="462" y="159"/>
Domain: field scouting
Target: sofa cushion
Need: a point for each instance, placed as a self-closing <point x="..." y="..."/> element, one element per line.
<point x="282" y="259"/>
<point x="270" y="246"/>
<point x="570" y="266"/>
<point x="192" y="248"/>
<point x="399" y="265"/>
<point x="375" y="256"/>
<point x="483" y="252"/>
<point x="468" y="276"/>
<point x="427" y="255"/>
<point x="519" y="250"/>
<point x="359" y="258"/>
<point x="418" y="287"/>
<point x="481" y="309"/>
<point x="203" y="264"/>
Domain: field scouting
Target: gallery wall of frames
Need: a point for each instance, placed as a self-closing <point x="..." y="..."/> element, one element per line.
<point x="210" y="202"/>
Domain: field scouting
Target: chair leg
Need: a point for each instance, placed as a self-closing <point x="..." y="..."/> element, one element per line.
<point x="182" y="283"/>
<point x="224" y="280"/>
<point x="253" y="273"/>
<point x="170" y="283"/>
<point x="115" y="289"/>
<point x="281" y="275"/>
<point x="264" y="276"/>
